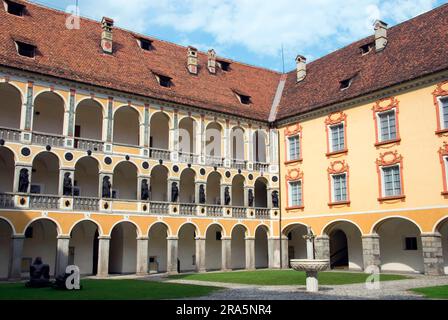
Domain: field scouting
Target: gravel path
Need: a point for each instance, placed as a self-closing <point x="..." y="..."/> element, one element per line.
<point x="389" y="290"/>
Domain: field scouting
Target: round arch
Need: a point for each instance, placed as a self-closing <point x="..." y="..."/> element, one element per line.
<point x="441" y="227"/>
<point x="11" y="225"/>
<point x="93" y="101"/>
<point x="7" y="169"/>
<point x="6" y="233"/>
<point x="378" y="223"/>
<point x="261" y="192"/>
<point x="123" y="247"/>
<point x="156" y="223"/>
<point x="188" y="128"/>
<point x="187" y="234"/>
<point x="137" y="227"/>
<point x="125" y="180"/>
<point x="84" y="239"/>
<point x="159" y="183"/>
<point x="11" y="99"/>
<point x="262" y="233"/>
<point x="126" y="129"/>
<point x="238" y="185"/>
<point x="96" y="223"/>
<point x="89" y="115"/>
<point x="213" y="188"/>
<point x="187" y="186"/>
<point x="160" y="124"/>
<point x="45" y="176"/>
<point x="213" y="246"/>
<point x="54" y="221"/>
<point x="237" y="138"/>
<point x="49" y="113"/>
<point x="259" y="143"/>
<point x="158" y="246"/>
<point x="56" y="93"/>
<point x="87" y="170"/>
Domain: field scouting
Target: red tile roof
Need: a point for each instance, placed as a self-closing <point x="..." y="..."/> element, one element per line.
<point x="77" y="55"/>
<point x="416" y="48"/>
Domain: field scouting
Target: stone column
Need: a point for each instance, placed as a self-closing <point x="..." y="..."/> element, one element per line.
<point x="109" y="120"/>
<point x="15" y="257"/>
<point x="285" y="253"/>
<point x="62" y="254"/>
<point x="103" y="256"/>
<point x="371" y="250"/>
<point x="226" y="250"/>
<point x="27" y="116"/>
<point x="200" y="254"/>
<point x="172" y="254"/>
<point x="274" y="253"/>
<point x="142" y="255"/>
<point x="250" y="253"/>
<point x="432" y="253"/>
<point x="322" y="247"/>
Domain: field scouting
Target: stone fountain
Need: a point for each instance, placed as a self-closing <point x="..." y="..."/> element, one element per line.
<point x="311" y="266"/>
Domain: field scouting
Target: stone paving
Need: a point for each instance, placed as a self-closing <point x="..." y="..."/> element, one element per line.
<point x="389" y="290"/>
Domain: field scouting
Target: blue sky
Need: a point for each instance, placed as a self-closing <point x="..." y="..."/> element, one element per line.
<point x="253" y="31"/>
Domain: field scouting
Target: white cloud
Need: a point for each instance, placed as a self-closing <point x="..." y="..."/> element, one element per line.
<point x="303" y="26"/>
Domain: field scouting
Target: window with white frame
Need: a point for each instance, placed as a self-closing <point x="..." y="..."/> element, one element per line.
<point x="295" y="194"/>
<point x="444" y="113"/>
<point x="294" y="148"/>
<point x="337" y="137"/>
<point x="391" y="181"/>
<point x="339" y="187"/>
<point x="445" y="163"/>
<point x="387" y="126"/>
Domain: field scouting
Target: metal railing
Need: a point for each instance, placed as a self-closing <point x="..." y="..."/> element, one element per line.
<point x="7" y="200"/>
<point x="46" y="139"/>
<point x="214" y="210"/>
<point x="89" y="144"/>
<point x="262" y="213"/>
<point x="86" y="204"/>
<point x="9" y="134"/>
<point x="159" y="154"/>
<point x="187" y="209"/>
<point x="162" y="208"/>
<point x="44" y="202"/>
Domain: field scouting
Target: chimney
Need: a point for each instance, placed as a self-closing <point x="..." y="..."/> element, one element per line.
<point x="301" y="68"/>
<point x="106" y="36"/>
<point x="192" y="62"/>
<point x="380" y="35"/>
<point x="212" y="61"/>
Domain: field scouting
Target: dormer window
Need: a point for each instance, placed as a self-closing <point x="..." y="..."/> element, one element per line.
<point x="224" y="65"/>
<point x="242" y="97"/>
<point x="365" y="49"/>
<point x="345" y="84"/>
<point x="14" y="8"/>
<point x="163" y="80"/>
<point x="26" y="49"/>
<point x="145" y="44"/>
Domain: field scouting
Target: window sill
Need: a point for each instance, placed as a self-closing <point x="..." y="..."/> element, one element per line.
<point x="341" y="203"/>
<point x="441" y="132"/>
<point x="383" y="199"/>
<point x="295" y="208"/>
<point x="293" y="161"/>
<point x="383" y="143"/>
<point x="336" y="153"/>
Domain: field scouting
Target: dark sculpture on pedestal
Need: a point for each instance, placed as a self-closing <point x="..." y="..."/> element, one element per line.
<point x="227" y="198"/>
<point x="106" y="187"/>
<point x="251" y="198"/>
<point x="275" y="199"/>
<point x="145" y="190"/>
<point x="24" y="181"/>
<point x="174" y="192"/>
<point x="201" y="194"/>
<point x="39" y="274"/>
<point x="68" y="186"/>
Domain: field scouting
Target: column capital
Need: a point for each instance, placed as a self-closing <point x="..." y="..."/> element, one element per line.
<point x="104" y="237"/>
<point x="64" y="237"/>
<point x="249" y="238"/>
<point x="143" y="238"/>
<point x="226" y="238"/>
<point x="200" y="238"/>
<point x="323" y="237"/>
<point x="18" y="236"/>
<point x="370" y="236"/>
<point x="430" y="235"/>
<point x="172" y="238"/>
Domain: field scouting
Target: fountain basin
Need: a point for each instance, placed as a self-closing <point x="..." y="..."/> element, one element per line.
<point x="310" y="265"/>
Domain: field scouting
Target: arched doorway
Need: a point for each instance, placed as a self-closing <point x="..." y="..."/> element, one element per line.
<point x="160" y="131"/>
<point x="213" y="144"/>
<point x="238" y="191"/>
<point x="49" y="114"/>
<point x="237" y="144"/>
<point x="158" y="248"/>
<point x="213" y="192"/>
<point x="7" y="165"/>
<point x="86" y="182"/>
<point x="40" y="241"/>
<point x="187" y="136"/>
<point x="187" y="248"/>
<point x="123" y="249"/>
<point x="159" y="183"/>
<point x="239" y="247"/>
<point x="89" y="120"/>
<point x="6" y="233"/>
<point x="213" y="248"/>
<point x="187" y="186"/>
<point x="127" y="126"/>
<point x="45" y="176"/>
<point x="345" y="245"/>
<point x="125" y="181"/>
<point x="83" y="250"/>
<point x="297" y="248"/>
<point x="11" y="106"/>
<point x="442" y="228"/>
<point x="261" y="248"/>
<point x="261" y="193"/>
<point x="400" y="245"/>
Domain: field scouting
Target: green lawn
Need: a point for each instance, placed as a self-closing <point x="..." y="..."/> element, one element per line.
<point x="106" y="290"/>
<point x="282" y="277"/>
<point x="440" y="292"/>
